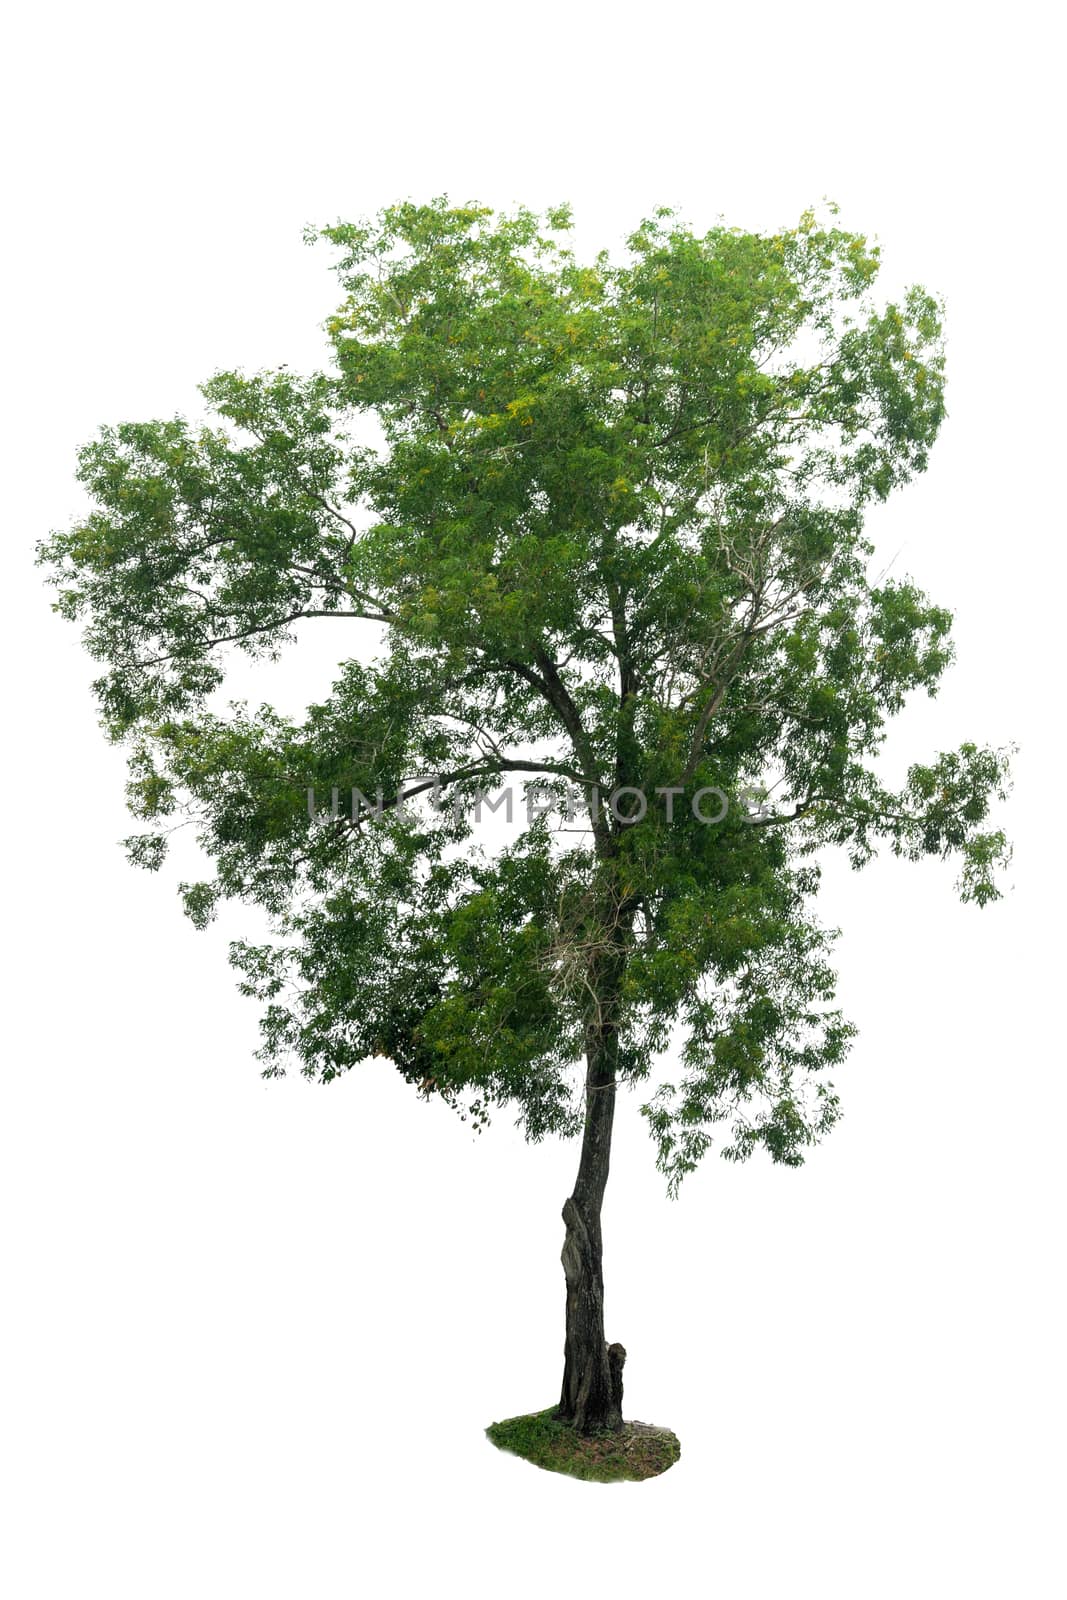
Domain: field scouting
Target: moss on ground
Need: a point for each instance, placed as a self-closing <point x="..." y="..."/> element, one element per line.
<point x="637" y="1451"/>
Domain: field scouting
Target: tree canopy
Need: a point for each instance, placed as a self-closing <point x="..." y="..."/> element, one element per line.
<point x="603" y="525"/>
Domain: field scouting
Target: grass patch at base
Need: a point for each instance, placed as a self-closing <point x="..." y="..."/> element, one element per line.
<point x="637" y="1451"/>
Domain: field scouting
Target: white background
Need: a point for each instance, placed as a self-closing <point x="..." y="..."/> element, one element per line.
<point x="252" y="1332"/>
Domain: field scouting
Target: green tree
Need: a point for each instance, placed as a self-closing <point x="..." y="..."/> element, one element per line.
<point x="604" y="525"/>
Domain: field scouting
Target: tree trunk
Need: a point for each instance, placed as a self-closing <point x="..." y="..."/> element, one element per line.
<point x="592" y="1371"/>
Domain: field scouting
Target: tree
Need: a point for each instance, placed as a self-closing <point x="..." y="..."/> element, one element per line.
<point x="603" y="524"/>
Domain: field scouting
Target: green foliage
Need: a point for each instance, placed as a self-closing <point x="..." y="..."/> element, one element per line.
<point x="608" y="533"/>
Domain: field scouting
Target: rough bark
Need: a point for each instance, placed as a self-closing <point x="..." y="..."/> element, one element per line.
<point x="591" y="1396"/>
